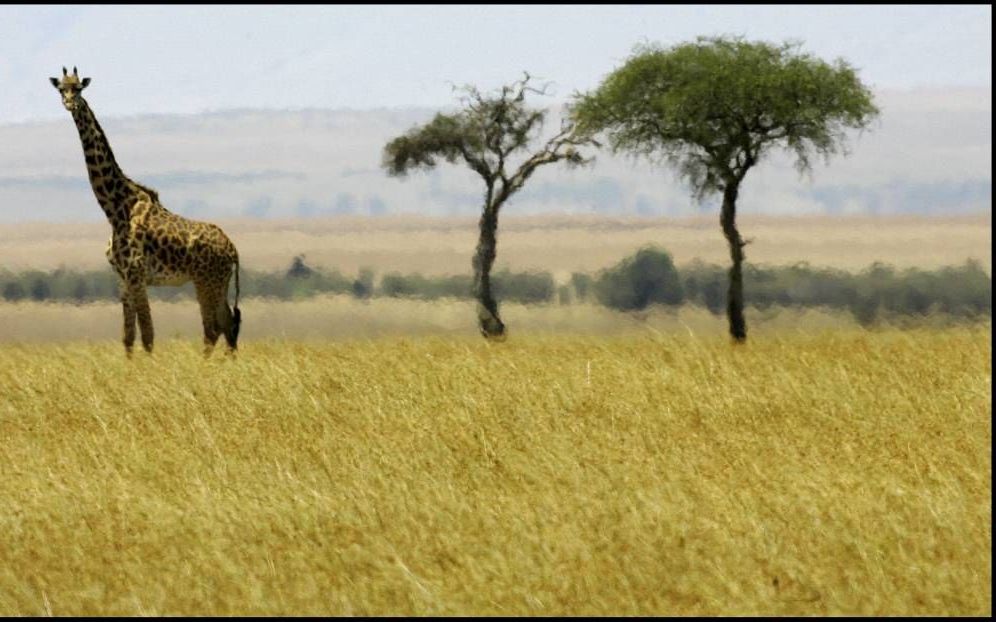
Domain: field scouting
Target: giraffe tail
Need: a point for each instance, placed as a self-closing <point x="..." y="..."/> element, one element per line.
<point x="236" y="314"/>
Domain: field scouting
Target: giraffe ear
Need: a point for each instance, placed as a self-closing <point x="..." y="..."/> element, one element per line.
<point x="84" y="83"/>
<point x="54" y="82"/>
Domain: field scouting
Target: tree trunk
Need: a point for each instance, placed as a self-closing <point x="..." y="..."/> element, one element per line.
<point x="735" y="294"/>
<point x="487" y="309"/>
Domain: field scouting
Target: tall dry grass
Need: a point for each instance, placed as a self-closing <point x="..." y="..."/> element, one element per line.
<point x="843" y="472"/>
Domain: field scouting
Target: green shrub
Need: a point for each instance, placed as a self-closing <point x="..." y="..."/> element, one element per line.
<point x="523" y="287"/>
<point x="648" y="277"/>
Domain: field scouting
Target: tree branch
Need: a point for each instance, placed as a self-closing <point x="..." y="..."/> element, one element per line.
<point x="478" y="164"/>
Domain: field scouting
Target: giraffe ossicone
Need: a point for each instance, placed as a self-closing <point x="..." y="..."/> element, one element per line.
<point x="150" y="245"/>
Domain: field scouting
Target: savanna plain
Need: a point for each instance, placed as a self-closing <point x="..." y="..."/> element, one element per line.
<point x="594" y="463"/>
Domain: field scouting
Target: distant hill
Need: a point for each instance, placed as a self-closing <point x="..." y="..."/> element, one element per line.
<point x="931" y="154"/>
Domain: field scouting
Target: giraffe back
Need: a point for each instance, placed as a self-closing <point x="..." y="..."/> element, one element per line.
<point x="175" y="249"/>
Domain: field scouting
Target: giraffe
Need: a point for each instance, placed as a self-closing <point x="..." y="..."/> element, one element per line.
<point x="150" y="245"/>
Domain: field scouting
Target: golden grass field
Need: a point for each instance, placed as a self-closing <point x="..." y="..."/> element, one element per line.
<point x="378" y="457"/>
<point x="662" y="473"/>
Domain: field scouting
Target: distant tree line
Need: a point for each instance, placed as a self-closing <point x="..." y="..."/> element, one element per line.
<point x="879" y="291"/>
<point x="647" y="278"/>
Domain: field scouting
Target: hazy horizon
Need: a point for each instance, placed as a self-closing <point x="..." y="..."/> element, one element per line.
<point x="929" y="153"/>
<point x="228" y="119"/>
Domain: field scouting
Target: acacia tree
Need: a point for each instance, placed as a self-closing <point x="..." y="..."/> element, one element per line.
<point x="715" y="108"/>
<point x="485" y="134"/>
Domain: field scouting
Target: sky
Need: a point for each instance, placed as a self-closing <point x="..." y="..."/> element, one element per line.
<point x="192" y="59"/>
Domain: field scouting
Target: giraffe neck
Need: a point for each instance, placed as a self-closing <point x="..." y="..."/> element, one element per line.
<point x="114" y="191"/>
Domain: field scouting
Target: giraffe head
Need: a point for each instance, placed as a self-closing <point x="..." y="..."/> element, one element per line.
<point x="70" y="86"/>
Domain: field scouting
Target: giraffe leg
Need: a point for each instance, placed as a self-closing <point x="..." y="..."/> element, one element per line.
<point x="225" y="321"/>
<point x="144" y="314"/>
<point x="208" y="299"/>
<point x="127" y="302"/>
